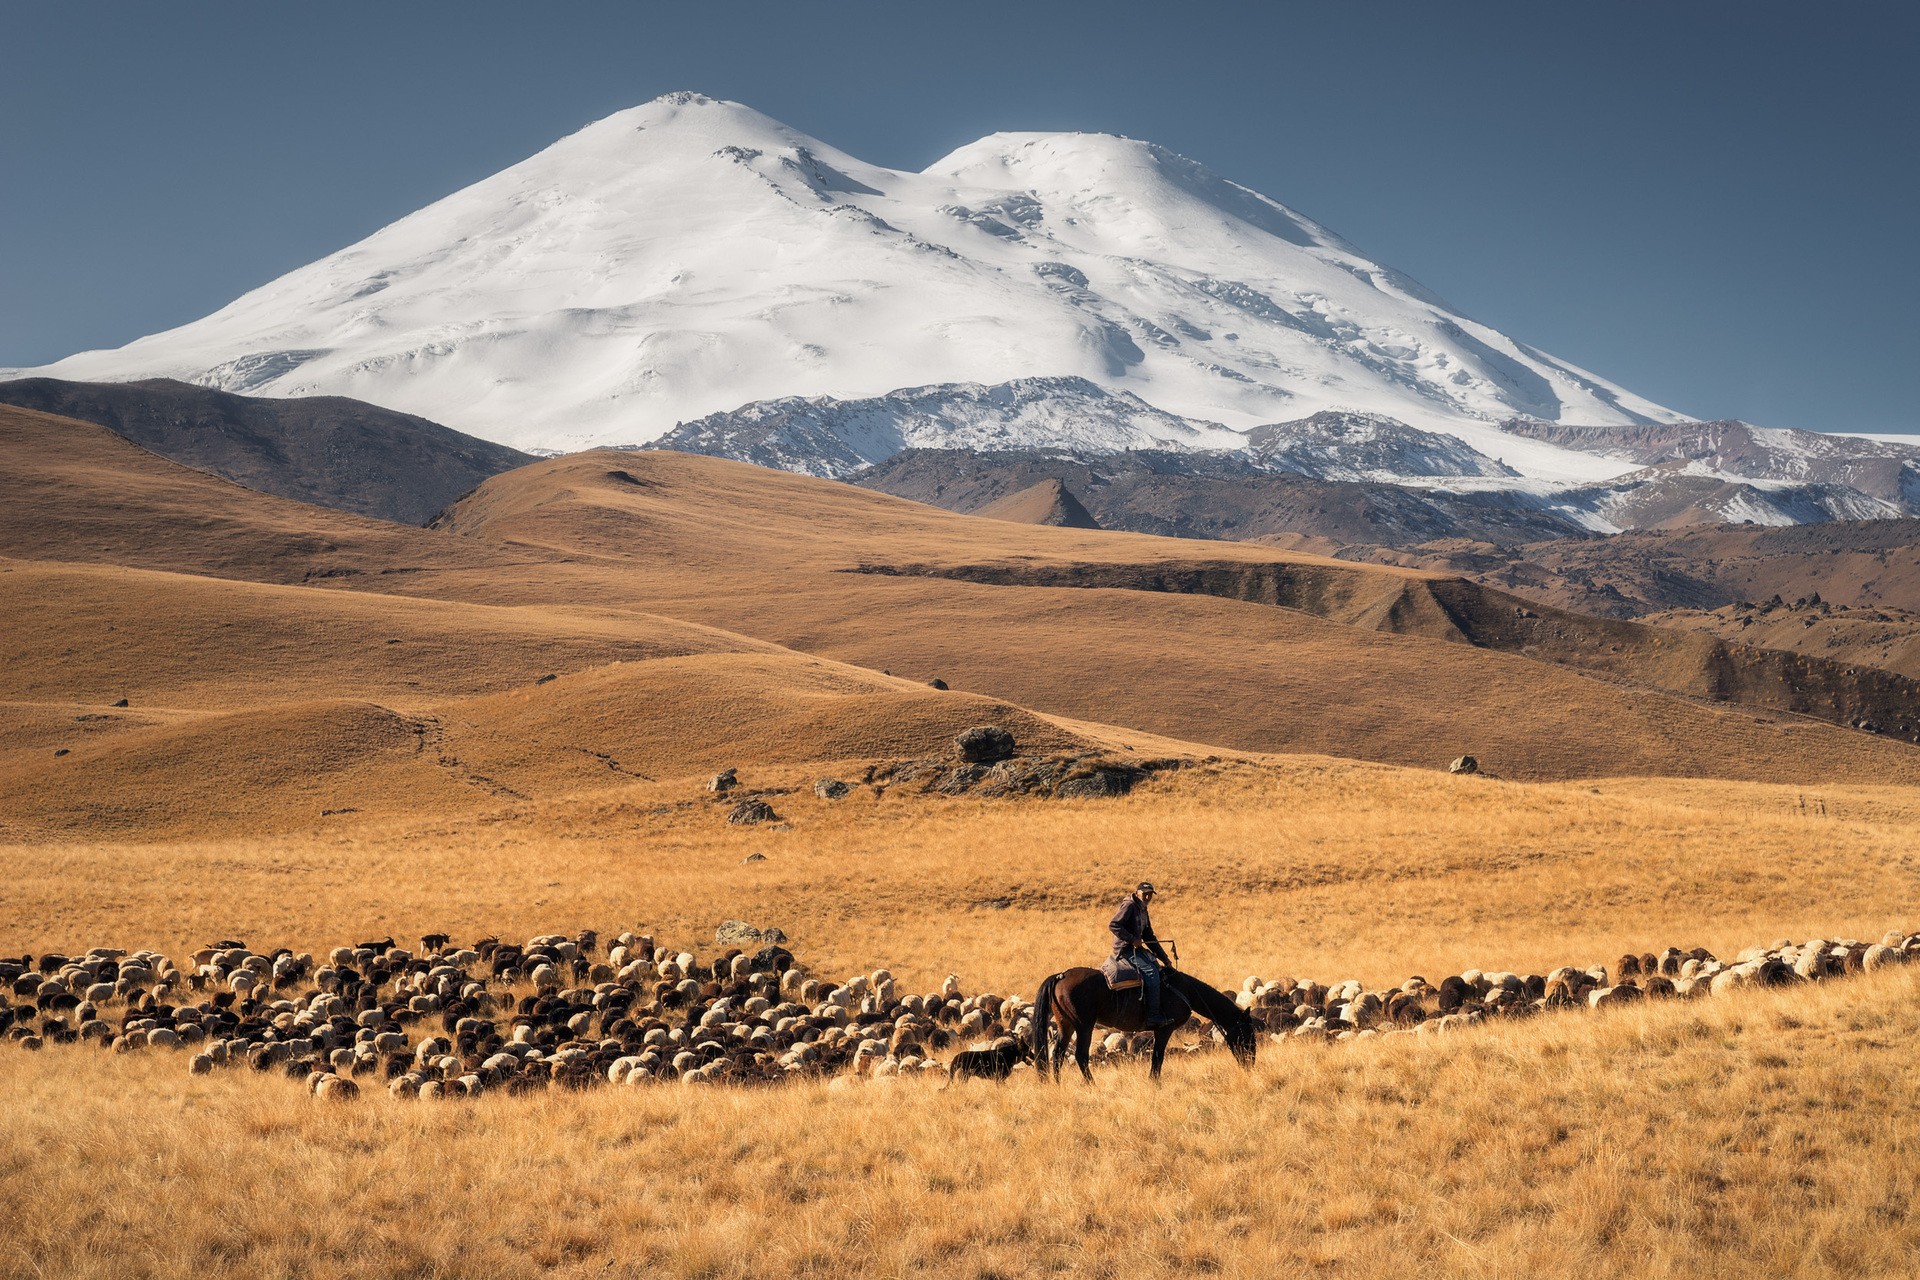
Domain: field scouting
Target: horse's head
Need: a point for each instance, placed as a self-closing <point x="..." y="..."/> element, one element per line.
<point x="1242" y="1038"/>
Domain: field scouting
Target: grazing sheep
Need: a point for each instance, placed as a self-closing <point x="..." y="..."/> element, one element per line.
<point x="445" y="1023"/>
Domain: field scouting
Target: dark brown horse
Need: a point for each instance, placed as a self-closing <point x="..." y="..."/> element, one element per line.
<point x="1079" y="1000"/>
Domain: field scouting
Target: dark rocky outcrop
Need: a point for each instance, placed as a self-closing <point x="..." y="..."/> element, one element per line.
<point x="1688" y="663"/>
<point x="985" y="744"/>
<point x="751" y="812"/>
<point x="1082" y="776"/>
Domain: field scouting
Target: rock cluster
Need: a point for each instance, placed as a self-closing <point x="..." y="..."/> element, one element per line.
<point x="1061" y="777"/>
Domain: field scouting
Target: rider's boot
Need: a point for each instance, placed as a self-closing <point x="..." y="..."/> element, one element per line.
<point x="1152" y="998"/>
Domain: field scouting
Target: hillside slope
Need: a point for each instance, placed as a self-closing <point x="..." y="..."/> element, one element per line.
<point x="789" y="558"/>
<point x="650" y="556"/>
<point x="326" y="450"/>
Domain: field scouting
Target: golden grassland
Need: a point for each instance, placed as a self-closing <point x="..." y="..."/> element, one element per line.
<point x="1288" y="865"/>
<point x="1763" y="1133"/>
<point x="308" y="765"/>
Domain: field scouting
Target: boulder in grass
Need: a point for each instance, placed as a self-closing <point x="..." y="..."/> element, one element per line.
<point x="751" y="812"/>
<point x="937" y="683"/>
<point x="985" y="744"/>
<point x="724" y="781"/>
<point x="737" y="933"/>
<point x="772" y="958"/>
<point x="1464" y="764"/>
<point x="830" y="788"/>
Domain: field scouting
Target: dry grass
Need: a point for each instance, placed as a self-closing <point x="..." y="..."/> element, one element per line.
<point x="1752" y="1135"/>
<point x="1311" y="867"/>
<point x="1767" y="1134"/>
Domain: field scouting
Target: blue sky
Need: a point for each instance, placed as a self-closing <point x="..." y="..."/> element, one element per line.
<point x="1710" y="203"/>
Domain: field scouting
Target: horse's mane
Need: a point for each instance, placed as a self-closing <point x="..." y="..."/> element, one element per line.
<point x="1215" y="1006"/>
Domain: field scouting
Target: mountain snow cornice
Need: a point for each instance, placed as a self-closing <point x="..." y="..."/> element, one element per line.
<point x="690" y="256"/>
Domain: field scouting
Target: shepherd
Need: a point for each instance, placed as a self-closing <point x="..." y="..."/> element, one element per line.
<point x="1078" y="1000"/>
<point x="1135" y="947"/>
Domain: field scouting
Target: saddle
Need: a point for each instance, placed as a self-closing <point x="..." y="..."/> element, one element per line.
<point x="1120" y="974"/>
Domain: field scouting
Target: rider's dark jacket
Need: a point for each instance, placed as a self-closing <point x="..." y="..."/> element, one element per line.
<point x="1131" y="928"/>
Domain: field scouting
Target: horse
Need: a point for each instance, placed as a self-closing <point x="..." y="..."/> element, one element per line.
<point x="1079" y="1000"/>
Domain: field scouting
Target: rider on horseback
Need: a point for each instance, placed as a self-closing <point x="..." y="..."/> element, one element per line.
<point x="1133" y="942"/>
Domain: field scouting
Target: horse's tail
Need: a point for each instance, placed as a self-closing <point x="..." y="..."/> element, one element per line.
<point x="1043" y="1021"/>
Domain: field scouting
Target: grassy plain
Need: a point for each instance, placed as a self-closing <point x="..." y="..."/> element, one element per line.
<point x="1769" y="1133"/>
<point x="1305" y="866"/>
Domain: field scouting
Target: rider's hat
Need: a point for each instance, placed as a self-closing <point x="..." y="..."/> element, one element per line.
<point x="1145" y="886"/>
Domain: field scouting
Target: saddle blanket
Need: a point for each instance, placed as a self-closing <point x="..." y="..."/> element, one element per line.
<point x="1120" y="974"/>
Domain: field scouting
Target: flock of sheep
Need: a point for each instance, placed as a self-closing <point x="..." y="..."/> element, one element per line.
<point x="444" y="1021"/>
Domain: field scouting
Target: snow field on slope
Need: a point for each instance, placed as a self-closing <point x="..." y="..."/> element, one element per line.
<point x="689" y="256"/>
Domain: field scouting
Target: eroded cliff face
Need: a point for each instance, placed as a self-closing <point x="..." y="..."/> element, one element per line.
<point x="1462" y="611"/>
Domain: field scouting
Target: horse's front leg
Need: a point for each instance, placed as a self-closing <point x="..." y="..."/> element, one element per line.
<point x="1160" y="1038"/>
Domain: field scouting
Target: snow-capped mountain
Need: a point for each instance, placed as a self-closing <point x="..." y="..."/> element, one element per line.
<point x="1675" y="494"/>
<point x="1734" y="450"/>
<point x="688" y="256"/>
<point x="823" y="436"/>
<point x="1367" y="446"/>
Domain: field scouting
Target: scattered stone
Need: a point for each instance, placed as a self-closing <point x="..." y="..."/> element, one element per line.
<point x="121" y="703"/>
<point x="830" y="788"/>
<point x="771" y="958"/>
<point x="1465" y="764"/>
<point x="549" y="678"/>
<point x="750" y="812"/>
<point x="735" y="933"/>
<point x="59" y="751"/>
<point x="985" y="744"/>
<point x="753" y="857"/>
<point x="1095" y="784"/>
<point x="723" y="781"/>
<point x="937" y="683"/>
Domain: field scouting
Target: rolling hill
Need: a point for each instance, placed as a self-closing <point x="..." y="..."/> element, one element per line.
<point x="597" y="620"/>
<point x="326" y="450"/>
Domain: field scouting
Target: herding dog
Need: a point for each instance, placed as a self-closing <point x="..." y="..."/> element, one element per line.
<point x="988" y="1064"/>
